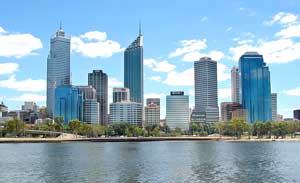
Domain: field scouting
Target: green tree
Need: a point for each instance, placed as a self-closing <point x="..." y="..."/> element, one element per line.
<point x="74" y="126"/>
<point x="238" y="126"/>
<point x="14" y="127"/>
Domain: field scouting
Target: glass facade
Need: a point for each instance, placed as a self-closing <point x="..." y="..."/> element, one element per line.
<point x="58" y="66"/>
<point x="255" y="88"/>
<point x="177" y="111"/>
<point x="98" y="79"/>
<point x="133" y="70"/>
<point x="206" y="90"/>
<point x="68" y="103"/>
<point x="128" y="112"/>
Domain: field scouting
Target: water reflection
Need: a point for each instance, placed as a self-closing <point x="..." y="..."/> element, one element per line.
<point x="150" y="162"/>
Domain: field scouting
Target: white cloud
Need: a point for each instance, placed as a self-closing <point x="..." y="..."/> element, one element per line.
<point x="94" y="44"/>
<point x="188" y="46"/>
<point x="289" y="32"/>
<point x="224" y="93"/>
<point x="24" y="85"/>
<point x="155" y="78"/>
<point x="223" y="72"/>
<point x="191" y="92"/>
<point x="29" y="97"/>
<point x="247" y="41"/>
<point x="18" y="45"/>
<point x="159" y="66"/>
<point x="185" y="78"/>
<point x="276" y="51"/>
<point x="194" y="56"/>
<point x="8" y="68"/>
<point x="154" y="95"/>
<point x="95" y="35"/>
<point x="292" y="92"/>
<point x="282" y="18"/>
<point x="2" y="30"/>
<point x="112" y="83"/>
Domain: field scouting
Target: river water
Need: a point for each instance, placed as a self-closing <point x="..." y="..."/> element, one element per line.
<point x="160" y="162"/>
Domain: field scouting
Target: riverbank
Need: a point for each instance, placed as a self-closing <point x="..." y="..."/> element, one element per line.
<point x="136" y="139"/>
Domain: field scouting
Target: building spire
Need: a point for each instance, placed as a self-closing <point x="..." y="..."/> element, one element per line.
<point x="60" y="25"/>
<point x="140" y="28"/>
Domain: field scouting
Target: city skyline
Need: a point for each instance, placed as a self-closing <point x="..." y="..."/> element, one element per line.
<point x="168" y="56"/>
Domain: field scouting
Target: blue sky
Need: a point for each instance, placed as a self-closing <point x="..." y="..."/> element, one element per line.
<point x="176" y="33"/>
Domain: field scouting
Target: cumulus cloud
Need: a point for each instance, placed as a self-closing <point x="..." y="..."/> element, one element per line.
<point x="29" y="97"/>
<point x="155" y="78"/>
<point x="282" y="18"/>
<point x="18" y="45"/>
<point x="223" y="72"/>
<point x="188" y="46"/>
<point x="292" y="92"/>
<point x="275" y="51"/>
<point x="159" y="66"/>
<point x="8" y="68"/>
<point x="95" y="44"/>
<point x="224" y="93"/>
<point x="113" y="83"/>
<point x="194" y="56"/>
<point x="24" y="85"/>
<point x="289" y="32"/>
<point x="185" y="78"/>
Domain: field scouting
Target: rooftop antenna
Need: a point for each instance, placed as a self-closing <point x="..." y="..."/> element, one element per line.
<point x="140" y="28"/>
<point x="60" y="25"/>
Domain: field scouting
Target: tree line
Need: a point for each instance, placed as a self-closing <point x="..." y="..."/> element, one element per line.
<point x="236" y="127"/>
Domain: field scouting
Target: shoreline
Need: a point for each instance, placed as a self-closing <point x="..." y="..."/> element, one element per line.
<point x="139" y="139"/>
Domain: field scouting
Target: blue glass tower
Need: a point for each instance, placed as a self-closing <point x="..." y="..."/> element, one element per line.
<point x="68" y="103"/>
<point x="133" y="69"/>
<point x="255" y="87"/>
<point x="58" y="66"/>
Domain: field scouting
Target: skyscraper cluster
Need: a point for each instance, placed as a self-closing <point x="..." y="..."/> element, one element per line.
<point x="250" y="91"/>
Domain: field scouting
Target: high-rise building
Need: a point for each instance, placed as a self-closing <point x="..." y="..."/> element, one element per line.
<point x="133" y="69"/>
<point x="206" y="90"/>
<point x="153" y="101"/>
<point x="177" y="110"/>
<point x="227" y="109"/>
<point x="90" y="105"/>
<point x="98" y="80"/>
<point x="128" y="112"/>
<point x="68" y="103"/>
<point x="240" y="114"/>
<point x="297" y="114"/>
<point x="30" y="106"/>
<point x="274" y="106"/>
<point x="152" y="111"/>
<point x="235" y="85"/>
<point x="255" y="87"/>
<point x="121" y="94"/>
<point x="58" y="66"/>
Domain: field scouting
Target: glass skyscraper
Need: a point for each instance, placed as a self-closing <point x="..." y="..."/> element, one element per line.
<point x="255" y="87"/>
<point x="98" y="79"/>
<point x="68" y="103"/>
<point x="206" y="91"/>
<point x="133" y="70"/>
<point x="58" y="66"/>
<point x="177" y="110"/>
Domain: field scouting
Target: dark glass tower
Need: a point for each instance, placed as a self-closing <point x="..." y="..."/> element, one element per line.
<point x="98" y="80"/>
<point x="255" y="87"/>
<point x="133" y="69"/>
